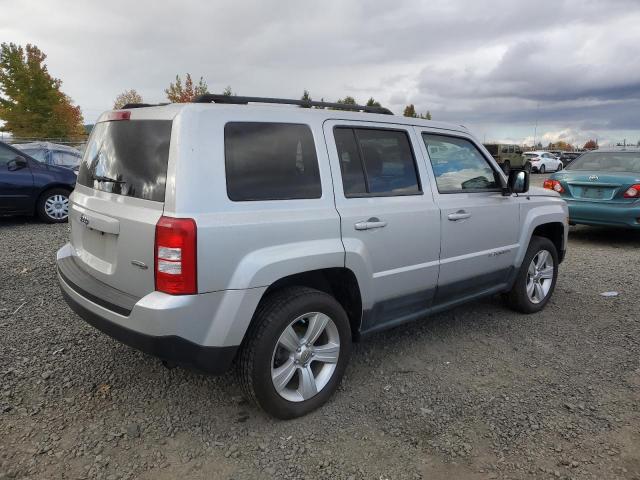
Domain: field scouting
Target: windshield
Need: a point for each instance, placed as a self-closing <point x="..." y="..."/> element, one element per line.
<point x="608" y="162"/>
<point x="128" y="158"/>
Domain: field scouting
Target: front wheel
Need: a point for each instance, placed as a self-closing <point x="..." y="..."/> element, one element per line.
<point x="296" y="352"/>
<point x="53" y="206"/>
<point x="536" y="278"/>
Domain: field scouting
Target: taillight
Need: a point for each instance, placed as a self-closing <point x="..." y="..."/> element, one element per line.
<point x="176" y="256"/>
<point x="554" y="185"/>
<point x="633" y="191"/>
<point x="118" y="115"/>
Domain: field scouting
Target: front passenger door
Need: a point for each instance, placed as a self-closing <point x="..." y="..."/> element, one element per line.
<point x="479" y="226"/>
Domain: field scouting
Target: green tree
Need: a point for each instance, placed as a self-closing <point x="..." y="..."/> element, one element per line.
<point x="31" y="102"/>
<point x="177" y="93"/>
<point x="348" y="100"/>
<point x="227" y="92"/>
<point x="372" y="103"/>
<point x="306" y="98"/>
<point x="128" y="96"/>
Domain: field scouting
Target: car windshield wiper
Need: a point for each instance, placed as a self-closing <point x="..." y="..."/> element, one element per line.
<point x="100" y="178"/>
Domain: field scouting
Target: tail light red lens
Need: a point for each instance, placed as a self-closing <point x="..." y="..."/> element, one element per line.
<point x="633" y="191"/>
<point x="554" y="185"/>
<point x="176" y="256"/>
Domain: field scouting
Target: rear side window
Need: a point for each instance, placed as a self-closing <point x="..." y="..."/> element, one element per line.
<point x="270" y="161"/>
<point x="128" y="158"/>
<point x="65" y="159"/>
<point x="376" y="162"/>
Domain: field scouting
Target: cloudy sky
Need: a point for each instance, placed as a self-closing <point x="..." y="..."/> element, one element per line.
<point x="572" y="66"/>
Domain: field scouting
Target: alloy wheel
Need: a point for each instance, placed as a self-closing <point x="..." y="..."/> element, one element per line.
<point x="57" y="207"/>
<point x="540" y="276"/>
<point x="305" y="357"/>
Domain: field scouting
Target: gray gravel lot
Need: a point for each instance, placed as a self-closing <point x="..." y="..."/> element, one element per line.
<point x="478" y="392"/>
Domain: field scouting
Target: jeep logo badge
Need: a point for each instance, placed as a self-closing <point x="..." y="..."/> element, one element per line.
<point x="84" y="219"/>
<point x="593" y="177"/>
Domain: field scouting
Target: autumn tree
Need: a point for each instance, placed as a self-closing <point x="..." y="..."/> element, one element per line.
<point x="591" y="145"/>
<point x="31" y="102"/>
<point x="128" y="96"/>
<point x="561" y="145"/>
<point x="410" y="111"/>
<point x="177" y="93"/>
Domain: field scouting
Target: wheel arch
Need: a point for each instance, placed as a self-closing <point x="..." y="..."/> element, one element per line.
<point x="339" y="282"/>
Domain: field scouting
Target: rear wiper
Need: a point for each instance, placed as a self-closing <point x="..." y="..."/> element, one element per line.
<point x="100" y="178"/>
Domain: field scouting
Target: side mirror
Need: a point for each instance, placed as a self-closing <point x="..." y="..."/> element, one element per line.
<point x="17" y="163"/>
<point x="518" y="182"/>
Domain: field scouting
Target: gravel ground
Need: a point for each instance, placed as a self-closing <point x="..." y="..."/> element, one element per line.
<point x="478" y="392"/>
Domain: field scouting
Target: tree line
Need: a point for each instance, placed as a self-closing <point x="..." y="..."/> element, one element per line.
<point x="32" y="103"/>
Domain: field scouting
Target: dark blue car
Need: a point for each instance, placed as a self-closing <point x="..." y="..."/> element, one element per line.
<point x="29" y="187"/>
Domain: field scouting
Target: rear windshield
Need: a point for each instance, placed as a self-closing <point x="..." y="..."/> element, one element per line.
<point x="607" y="162"/>
<point x="492" y="148"/>
<point x="128" y="158"/>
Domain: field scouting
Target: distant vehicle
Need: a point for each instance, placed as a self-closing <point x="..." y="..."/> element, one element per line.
<point x="28" y="186"/>
<point x="567" y="157"/>
<point x="556" y="153"/>
<point x="543" y="162"/>
<point x="52" y="154"/>
<point x="508" y="156"/>
<point x="601" y="187"/>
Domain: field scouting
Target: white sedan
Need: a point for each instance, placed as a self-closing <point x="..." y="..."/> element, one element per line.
<point x="543" y="162"/>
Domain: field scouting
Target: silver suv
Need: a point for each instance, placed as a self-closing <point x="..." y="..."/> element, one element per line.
<point x="231" y="232"/>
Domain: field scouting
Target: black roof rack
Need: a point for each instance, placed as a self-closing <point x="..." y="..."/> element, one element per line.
<point x="141" y="105"/>
<point x="232" y="99"/>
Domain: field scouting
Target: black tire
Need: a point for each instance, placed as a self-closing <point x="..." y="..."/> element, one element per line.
<point x="542" y="169"/>
<point x="506" y="167"/>
<point x="517" y="298"/>
<point x="560" y="166"/>
<point x="41" y="207"/>
<point x="255" y="360"/>
<point x="527" y="167"/>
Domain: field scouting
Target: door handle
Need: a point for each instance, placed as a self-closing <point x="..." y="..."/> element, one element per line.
<point x="459" y="215"/>
<point x="370" y="224"/>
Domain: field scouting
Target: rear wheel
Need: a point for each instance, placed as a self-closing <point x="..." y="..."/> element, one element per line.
<point x="542" y="169"/>
<point x="296" y="352"/>
<point x="53" y="206"/>
<point x="506" y="167"/>
<point x="560" y="166"/>
<point x="536" y="278"/>
<point x="527" y="167"/>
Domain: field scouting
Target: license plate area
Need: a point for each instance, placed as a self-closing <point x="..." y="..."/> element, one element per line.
<point x="95" y="248"/>
<point x="594" y="193"/>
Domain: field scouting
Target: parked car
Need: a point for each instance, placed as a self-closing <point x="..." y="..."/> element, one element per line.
<point x="29" y="187"/>
<point x="567" y="157"/>
<point x="52" y="154"/>
<point x="543" y="162"/>
<point x="601" y="187"/>
<point x="272" y="237"/>
<point x="508" y="156"/>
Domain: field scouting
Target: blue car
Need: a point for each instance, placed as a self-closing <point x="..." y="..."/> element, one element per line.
<point x="602" y="187"/>
<point x="29" y="187"/>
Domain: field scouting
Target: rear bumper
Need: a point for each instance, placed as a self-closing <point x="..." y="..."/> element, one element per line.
<point x="604" y="214"/>
<point x="201" y="331"/>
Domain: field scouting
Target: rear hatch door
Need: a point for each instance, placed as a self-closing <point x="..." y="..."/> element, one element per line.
<point x="118" y="200"/>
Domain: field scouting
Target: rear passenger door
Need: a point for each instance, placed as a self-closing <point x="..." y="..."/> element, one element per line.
<point x="390" y="224"/>
<point x="480" y="226"/>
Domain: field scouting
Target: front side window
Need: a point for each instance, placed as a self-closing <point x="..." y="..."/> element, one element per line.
<point x="376" y="162"/>
<point x="270" y="161"/>
<point x="6" y="155"/>
<point x="39" y="154"/>
<point x="458" y="165"/>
